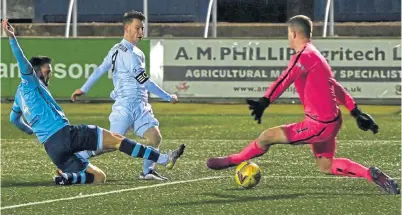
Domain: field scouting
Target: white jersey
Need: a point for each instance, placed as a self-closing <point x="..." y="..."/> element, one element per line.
<point x="127" y="64"/>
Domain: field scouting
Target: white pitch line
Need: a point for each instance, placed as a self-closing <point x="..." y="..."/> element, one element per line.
<point x="109" y="192"/>
<point x="184" y="139"/>
<point x="352" y="142"/>
<point x="314" y="177"/>
<point x="166" y="184"/>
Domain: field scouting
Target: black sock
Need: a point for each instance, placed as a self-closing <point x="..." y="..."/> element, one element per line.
<point x="79" y="177"/>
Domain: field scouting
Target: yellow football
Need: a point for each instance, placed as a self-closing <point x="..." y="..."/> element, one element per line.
<point x="248" y="174"/>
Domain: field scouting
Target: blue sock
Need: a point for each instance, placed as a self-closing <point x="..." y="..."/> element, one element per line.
<point x="148" y="164"/>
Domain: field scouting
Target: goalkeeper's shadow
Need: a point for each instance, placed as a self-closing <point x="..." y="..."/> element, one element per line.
<point x="225" y="199"/>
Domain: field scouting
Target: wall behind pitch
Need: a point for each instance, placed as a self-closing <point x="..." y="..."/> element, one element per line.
<point x="244" y="68"/>
<point x="73" y="61"/>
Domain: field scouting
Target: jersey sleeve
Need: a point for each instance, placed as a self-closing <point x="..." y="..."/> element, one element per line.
<point x="28" y="75"/>
<point x="342" y="96"/>
<point x="16" y="119"/>
<point x="98" y="73"/>
<point x="293" y="71"/>
<point x="16" y="108"/>
<point x="153" y="88"/>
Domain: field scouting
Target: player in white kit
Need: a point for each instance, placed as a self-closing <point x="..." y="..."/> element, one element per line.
<point x="131" y="109"/>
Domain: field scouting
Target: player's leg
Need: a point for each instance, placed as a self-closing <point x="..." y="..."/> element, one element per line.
<point x="255" y="148"/>
<point x="297" y="133"/>
<point x="90" y="137"/>
<point x="147" y="126"/>
<point x="75" y="169"/>
<point x="324" y="152"/>
<point x="153" y="139"/>
<point x="120" y="121"/>
<point x="326" y="162"/>
<point x="134" y="149"/>
<point x="261" y="145"/>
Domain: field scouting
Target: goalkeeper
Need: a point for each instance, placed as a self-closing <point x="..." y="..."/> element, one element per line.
<point x="319" y="93"/>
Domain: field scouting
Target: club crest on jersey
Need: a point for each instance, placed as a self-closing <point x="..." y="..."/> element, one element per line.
<point x="142" y="77"/>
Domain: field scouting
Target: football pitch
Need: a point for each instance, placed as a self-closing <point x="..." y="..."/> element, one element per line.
<point x="290" y="184"/>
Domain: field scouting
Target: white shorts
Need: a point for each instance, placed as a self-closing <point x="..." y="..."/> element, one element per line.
<point x="137" y="116"/>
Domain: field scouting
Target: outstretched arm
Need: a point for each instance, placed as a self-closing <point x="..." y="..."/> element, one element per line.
<point x="284" y="80"/>
<point x="27" y="73"/>
<point x="153" y="88"/>
<point x="294" y="70"/>
<point x="98" y="73"/>
<point x="93" y="78"/>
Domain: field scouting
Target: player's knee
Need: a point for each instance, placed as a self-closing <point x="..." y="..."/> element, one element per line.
<point x="271" y="136"/>
<point x="155" y="140"/>
<point x="99" y="177"/>
<point x="118" y="136"/>
<point x="111" y="140"/>
<point x="153" y="137"/>
<point x="158" y="140"/>
<point x="267" y="137"/>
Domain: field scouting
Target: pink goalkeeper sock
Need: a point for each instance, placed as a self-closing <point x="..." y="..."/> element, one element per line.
<point x="346" y="167"/>
<point x="250" y="151"/>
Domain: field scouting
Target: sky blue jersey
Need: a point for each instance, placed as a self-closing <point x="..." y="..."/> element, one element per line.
<point x="34" y="101"/>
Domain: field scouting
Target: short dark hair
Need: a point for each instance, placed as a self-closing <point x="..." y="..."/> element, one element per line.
<point x="303" y="23"/>
<point x="131" y="15"/>
<point x="38" y="61"/>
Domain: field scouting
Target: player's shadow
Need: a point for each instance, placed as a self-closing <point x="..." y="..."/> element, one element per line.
<point x="49" y="183"/>
<point x="234" y="199"/>
<point x="345" y="193"/>
<point x="327" y="190"/>
<point x="316" y="191"/>
<point x="6" y="184"/>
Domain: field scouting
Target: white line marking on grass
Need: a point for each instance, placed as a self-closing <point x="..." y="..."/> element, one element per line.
<point x="314" y="177"/>
<point x="169" y="183"/>
<point x="345" y="142"/>
<point x="109" y="192"/>
<point x="353" y="142"/>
